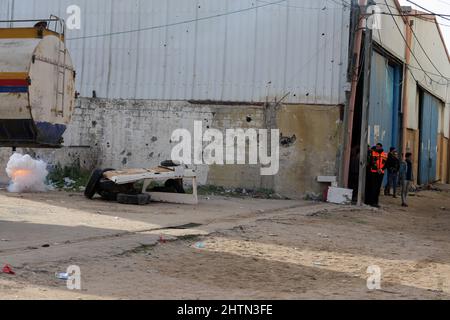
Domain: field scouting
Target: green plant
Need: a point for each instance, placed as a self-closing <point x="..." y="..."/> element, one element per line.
<point x="70" y="178"/>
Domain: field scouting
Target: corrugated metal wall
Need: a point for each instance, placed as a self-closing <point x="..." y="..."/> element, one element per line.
<point x="382" y="103"/>
<point x="230" y="50"/>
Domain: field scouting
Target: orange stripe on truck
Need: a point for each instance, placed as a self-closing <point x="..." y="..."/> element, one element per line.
<point x="13" y="75"/>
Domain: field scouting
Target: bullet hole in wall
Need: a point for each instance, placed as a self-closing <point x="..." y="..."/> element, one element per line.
<point x="287" y="141"/>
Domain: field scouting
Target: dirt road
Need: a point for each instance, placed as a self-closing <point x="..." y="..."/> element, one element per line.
<point x="224" y="248"/>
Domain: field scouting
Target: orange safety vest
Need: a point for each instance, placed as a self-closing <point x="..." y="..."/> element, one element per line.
<point x="378" y="161"/>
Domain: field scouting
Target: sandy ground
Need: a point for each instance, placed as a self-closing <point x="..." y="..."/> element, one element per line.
<point x="225" y="248"/>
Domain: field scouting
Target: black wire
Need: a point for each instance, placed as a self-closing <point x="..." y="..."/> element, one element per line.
<point x="303" y="8"/>
<point x="409" y="48"/>
<point x="175" y="23"/>
<point x="439" y="15"/>
<point x="423" y="49"/>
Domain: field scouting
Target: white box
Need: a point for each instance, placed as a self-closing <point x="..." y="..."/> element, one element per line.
<point x="339" y="195"/>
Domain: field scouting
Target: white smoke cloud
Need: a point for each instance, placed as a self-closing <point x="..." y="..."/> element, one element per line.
<point x="26" y="174"/>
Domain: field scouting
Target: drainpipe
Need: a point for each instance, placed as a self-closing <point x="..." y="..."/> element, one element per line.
<point x="352" y="100"/>
<point x="405" y="104"/>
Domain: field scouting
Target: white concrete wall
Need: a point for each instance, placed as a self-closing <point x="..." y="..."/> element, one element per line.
<point x="137" y="133"/>
<point x="428" y="36"/>
<point x="388" y="36"/>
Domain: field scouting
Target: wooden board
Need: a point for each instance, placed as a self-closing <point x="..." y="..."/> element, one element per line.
<point x="131" y="172"/>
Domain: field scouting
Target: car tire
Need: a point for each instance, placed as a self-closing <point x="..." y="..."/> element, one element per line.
<point x="175" y="184"/>
<point x="94" y="179"/>
<point x="91" y="187"/>
<point x="108" y="196"/>
<point x="135" y="199"/>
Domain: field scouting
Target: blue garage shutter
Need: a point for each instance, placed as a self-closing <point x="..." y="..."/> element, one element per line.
<point x="428" y="139"/>
<point x="385" y="90"/>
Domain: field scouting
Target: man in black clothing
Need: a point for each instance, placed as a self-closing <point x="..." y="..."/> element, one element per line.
<point x="392" y="166"/>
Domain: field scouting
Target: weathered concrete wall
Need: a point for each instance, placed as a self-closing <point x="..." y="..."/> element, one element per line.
<point x="316" y="132"/>
<point x="130" y="133"/>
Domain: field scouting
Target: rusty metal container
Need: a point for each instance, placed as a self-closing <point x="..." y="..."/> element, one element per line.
<point x="37" y="86"/>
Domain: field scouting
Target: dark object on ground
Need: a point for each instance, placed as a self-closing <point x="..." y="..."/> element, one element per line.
<point x="136" y="199"/>
<point x="171" y="186"/>
<point x="169" y="163"/>
<point x="127" y="193"/>
<point x="91" y="187"/>
<point x="108" y="196"/>
<point x="107" y="189"/>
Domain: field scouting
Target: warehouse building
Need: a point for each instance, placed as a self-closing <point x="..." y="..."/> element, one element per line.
<point x="408" y="106"/>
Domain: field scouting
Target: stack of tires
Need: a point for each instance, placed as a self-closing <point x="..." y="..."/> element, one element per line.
<point x="110" y="191"/>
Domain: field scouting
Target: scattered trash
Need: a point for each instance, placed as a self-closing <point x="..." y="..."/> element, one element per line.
<point x="62" y="275"/>
<point x="200" y="245"/>
<point x="319" y="264"/>
<point x="323" y="235"/>
<point x="68" y="182"/>
<point x="339" y="195"/>
<point x="162" y="240"/>
<point x="311" y="196"/>
<point x="8" y="270"/>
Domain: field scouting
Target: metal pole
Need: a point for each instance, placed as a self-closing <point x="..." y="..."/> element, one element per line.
<point x="351" y="105"/>
<point x="405" y="108"/>
<point x="365" y="116"/>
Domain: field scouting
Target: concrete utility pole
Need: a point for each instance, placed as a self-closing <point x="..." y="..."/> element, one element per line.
<point x="350" y="111"/>
<point x="365" y="115"/>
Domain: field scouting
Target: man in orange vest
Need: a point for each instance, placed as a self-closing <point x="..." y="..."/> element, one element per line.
<point x="376" y="168"/>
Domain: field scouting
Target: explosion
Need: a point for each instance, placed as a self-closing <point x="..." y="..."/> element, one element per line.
<point x="26" y="174"/>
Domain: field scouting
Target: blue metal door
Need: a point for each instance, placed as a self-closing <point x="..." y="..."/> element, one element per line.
<point x="385" y="90"/>
<point x="428" y="139"/>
